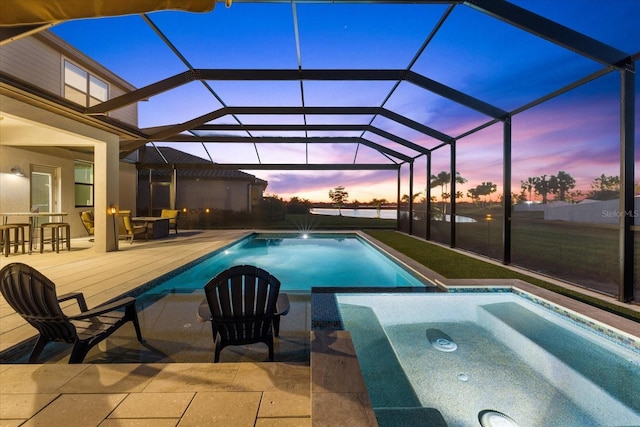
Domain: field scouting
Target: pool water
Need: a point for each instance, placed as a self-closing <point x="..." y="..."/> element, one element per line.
<point x="300" y="263"/>
<point x="509" y="355"/>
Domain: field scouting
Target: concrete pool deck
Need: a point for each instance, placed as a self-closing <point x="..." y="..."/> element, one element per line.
<point x="327" y="390"/>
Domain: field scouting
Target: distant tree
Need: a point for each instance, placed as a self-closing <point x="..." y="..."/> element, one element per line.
<point x="339" y="196"/>
<point x="518" y="197"/>
<point x="296" y="205"/>
<point x="605" y="188"/>
<point x="541" y="185"/>
<point x="472" y="193"/>
<point x="487" y="189"/>
<point x="442" y="180"/>
<point x="560" y="184"/>
<point x="272" y="209"/>
<point x="405" y="197"/>
<point x="378" y="204"/>
<point x="484" y="189"/>
<point x="575" y="196"/>
<point x="528" y="185"/>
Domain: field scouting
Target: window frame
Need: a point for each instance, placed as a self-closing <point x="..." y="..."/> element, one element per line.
<point x="77" y="184"/>
<point x="90" y="80"/>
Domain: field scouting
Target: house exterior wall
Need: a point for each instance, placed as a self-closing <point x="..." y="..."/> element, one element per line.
<point x="39" y="60"/>
<point x="128" y="184"/>
<point x="214" y="194"/>
<point x="15" y="191"/>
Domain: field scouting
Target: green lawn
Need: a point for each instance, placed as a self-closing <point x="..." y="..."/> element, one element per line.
<point x="454" y="265"/>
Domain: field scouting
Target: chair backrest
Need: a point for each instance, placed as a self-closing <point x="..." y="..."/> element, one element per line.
<point x="242" y="300"/>
<point x="87" y="221"/>
<point x="33" y="296"/>
<point x="172" y="214"/>
<point x="126" y="227"/>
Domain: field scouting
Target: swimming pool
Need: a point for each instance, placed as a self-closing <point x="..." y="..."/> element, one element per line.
<point x="300" y="262"/>
<point x="493" y="358"/>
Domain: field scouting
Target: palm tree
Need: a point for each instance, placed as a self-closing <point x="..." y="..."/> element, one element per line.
<point x="541" y="186"/>
<point x="528" y="185"/>
<point x="443" y="179"/>
<point x="378" y="203"/>
<point x="560" y="184"/>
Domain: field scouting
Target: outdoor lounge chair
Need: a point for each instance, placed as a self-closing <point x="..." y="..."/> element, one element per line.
<point x="244" y="306"/>
<point x="87" y="221"/>
<point x="173" y="215"/>
<point x="129" y="230"/>
<point x="33" y="296"/>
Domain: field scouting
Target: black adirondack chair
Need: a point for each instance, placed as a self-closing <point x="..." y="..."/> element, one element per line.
<point x="33" y="296"/>
<point x="244" y="306"/>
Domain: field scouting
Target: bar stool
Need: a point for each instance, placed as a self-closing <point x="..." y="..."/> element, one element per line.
<point x="23" y="226"/>
<point x="5" y="237"/>
<point x="57" y="229"/>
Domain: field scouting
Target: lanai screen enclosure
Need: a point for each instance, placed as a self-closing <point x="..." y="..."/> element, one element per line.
<point x="496" y="92"/>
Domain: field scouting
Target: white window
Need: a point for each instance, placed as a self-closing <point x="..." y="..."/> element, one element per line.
<point x="82" y="87"/>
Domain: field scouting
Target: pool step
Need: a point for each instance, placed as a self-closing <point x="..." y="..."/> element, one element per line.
<point x="383" y="374"/>
<point x="551" y="349"/>
<point x="403" y="417"/>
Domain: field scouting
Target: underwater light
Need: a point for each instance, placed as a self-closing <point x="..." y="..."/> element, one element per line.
<point x="491" y="418"/>
<point x="305" y="236"/>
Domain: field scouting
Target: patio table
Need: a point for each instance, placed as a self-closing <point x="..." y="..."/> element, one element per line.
<point x="159" y="227"/>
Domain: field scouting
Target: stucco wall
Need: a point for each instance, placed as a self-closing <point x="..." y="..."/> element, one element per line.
<point x="128" y="187"/>
<point x="227" y="195"/>
<point x="15" y="191"/>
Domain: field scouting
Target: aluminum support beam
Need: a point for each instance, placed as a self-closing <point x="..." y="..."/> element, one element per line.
<point x="313" y="127"/>
<point x="267" y="166"/>
<point x="296" y="75"/>
<point x="506" y="198"/>
<point x="398" y="201"/>
<point x="411" y="198"/>
<point x="452" y="186"/>
<point x="167" y="132"/>
<point x="551" y="31"/>
<point x="627" y="182"/>
<point x="428" y="196"/>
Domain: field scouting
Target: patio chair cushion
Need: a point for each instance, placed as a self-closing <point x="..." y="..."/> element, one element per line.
<point x="173" y="215"/>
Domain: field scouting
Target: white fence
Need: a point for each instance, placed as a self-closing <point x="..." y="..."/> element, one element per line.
<point x="587" y="211"/>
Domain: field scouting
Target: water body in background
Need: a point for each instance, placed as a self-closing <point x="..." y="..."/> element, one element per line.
<point x="374" y="213"/>
<point x="358" y="213"/>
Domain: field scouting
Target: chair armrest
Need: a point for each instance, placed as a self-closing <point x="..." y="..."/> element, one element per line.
<point x="77" y="296"/>
<point x="105" y="308"/>
<point x="204" y="314"/>
<point x="282" y="305"/>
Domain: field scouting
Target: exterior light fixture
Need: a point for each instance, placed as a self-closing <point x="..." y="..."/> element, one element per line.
<point x="113" y="210"/>
<point x="184" y="210"/>
<point x="207" y="210"/>
<point x="17" y="171"/>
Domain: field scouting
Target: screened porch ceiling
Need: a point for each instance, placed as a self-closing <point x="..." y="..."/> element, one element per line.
<point x="347" y="84"/>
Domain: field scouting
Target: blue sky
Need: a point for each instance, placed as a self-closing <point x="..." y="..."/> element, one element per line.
<point x="474" y="53"/>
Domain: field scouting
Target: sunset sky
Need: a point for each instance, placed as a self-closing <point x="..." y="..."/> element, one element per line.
<point x="577" y="132"/>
